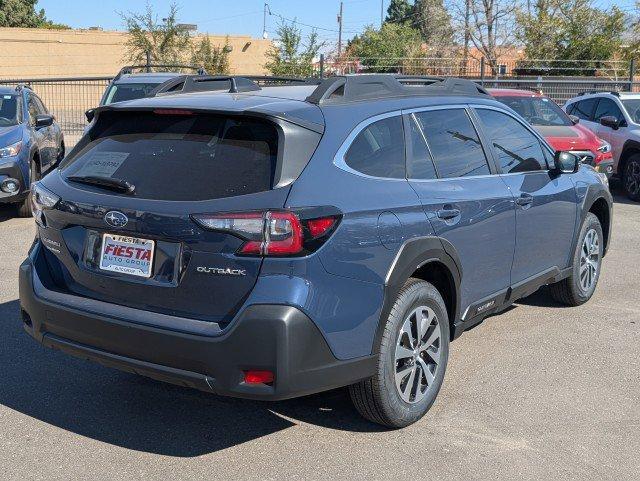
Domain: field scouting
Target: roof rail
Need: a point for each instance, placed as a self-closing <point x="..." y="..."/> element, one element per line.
<point x="351" y="88"/>
<point x="271" y="81"/>
<point x="128" y="69"/>
<point x="23" y="86"/>
<point x="612" y="92"/>
<point x="205" y="83"/>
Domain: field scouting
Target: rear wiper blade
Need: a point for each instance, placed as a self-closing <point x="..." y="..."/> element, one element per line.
<point x="111" y="183"/>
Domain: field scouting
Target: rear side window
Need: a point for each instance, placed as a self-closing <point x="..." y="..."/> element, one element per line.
<point x="378" y="150"/>
<point x="181" y="157"/>
<point x="453" y="142"/>
<point x="584" y="108"/>
<point x="122" y="92"/>
<point x="518" y="150"/>
<point x="420" y="164"/>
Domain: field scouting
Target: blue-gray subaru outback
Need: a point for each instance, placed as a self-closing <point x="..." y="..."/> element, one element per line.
<point x="276" y="241"/>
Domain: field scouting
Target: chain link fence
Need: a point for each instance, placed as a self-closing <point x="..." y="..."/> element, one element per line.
<point x="558" y="79"/>
<point x="67" y="99"/>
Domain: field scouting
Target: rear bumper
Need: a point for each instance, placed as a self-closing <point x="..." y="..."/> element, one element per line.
<point x="14" y="171"/>
<point x="277" y="338"/>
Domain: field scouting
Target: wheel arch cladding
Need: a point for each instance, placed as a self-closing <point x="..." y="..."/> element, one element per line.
<point x="629" y="149"/>
<point x="428" y="258"/>
<point x="601" y="209"/>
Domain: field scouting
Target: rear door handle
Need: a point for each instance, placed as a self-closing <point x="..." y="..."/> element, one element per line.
<point x="447" y="214"/>
<point x="525" y="200"/>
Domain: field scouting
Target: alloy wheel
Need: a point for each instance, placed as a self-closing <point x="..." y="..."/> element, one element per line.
<point x="589" y="260"/>
<point x="417" y="354"/>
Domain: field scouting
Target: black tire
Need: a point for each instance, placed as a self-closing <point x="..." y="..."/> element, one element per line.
<point x="24" y="209"/>
<point x="570" y="291"/>
<point x="378" y="398"/>
<point x="61" y="153"/>
<point x="631" y="178"/>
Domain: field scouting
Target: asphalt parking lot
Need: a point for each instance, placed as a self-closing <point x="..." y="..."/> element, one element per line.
<point x="538" y="392"/>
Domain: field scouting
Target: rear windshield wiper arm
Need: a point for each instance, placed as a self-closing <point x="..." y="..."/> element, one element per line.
<point x="111" y="183"/>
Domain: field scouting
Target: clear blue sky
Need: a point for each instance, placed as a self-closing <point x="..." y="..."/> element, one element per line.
<point x="235" y="16"/>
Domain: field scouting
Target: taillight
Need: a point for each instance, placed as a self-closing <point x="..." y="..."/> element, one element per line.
<point x="271" y="233"/>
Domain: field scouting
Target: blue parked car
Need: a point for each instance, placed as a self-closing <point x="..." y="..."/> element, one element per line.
<point x="31" y="144"/>
<point x="274" y="242"/>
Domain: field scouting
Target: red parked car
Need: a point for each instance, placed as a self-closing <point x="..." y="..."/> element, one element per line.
<point x="562" y="131"/>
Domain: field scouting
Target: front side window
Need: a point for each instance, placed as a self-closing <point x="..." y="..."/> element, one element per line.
<point x="608" y="108"/>
<point x="453" y="142"/>
<point x="33" y="110"/>
<point x="378" y="150"/>
<point x="518" y="150"/>
<point x="40" y="105"/>
<point x="584" y="109"/>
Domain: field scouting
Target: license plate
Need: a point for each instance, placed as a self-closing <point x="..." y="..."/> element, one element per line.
<point x="129" y="255"/>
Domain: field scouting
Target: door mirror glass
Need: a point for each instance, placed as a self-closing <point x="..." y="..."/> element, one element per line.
<point x="43" y="120"/>
<point x="574" y="119"/>
<point x="566" y="162"/>
<point x="610" y="121"/>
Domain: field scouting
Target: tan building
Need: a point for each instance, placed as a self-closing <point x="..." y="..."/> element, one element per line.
<point x="41" y="53"/>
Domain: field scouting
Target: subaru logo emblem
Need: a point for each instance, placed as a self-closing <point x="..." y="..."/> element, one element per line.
<point x="116" y="219"/>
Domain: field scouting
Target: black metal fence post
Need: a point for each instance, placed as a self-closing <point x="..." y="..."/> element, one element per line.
<point x="148" y="64"/>
<point x="482" y="71"/>
<point x="321" y="65"/>
<point x="632" y="72"/>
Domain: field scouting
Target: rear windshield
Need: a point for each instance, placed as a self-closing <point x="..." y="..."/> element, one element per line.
<point x="180" y="157"/>
<point x="133" y="91"/>
<point x="539" y="111"/>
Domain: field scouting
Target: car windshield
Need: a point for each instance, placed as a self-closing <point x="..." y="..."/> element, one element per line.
<point x="9" y="106"/>
<point x="633" y="109"/>
<point x="132" y="91"/>
<point x="537" y="110"/>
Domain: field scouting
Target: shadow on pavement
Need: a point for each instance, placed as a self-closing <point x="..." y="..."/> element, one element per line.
<point x="139" y="413"/>
<point x="7" y="212"/>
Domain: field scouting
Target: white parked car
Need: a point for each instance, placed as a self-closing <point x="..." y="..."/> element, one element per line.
<point x="614" y="117"/>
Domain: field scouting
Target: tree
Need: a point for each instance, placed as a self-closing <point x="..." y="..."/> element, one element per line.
<point x="22" y="13"/>
<point x="555" y="30"/>
<point x="399" y="11"/>
<point x="433" y="20"/>
<point x="386" y="49"/>
<point x="215" y="60"/>
<point x="289" y="56"/>
<point x="165" y="42"/>
<point x="490" y="26"/>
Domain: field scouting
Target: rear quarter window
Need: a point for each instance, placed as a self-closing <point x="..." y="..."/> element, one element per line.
<point x="181" y="157"/>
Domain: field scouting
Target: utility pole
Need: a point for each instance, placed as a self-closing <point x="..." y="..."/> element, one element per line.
<point x="264" y="19"/>
<point x="340" y="31"/>
<point x="381" y="12"/>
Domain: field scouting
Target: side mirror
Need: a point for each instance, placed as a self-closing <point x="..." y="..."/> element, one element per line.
<point x="574" y="119"/>
<point x="610" y="121"/>
<point x="90" y="114"/>
<point x="565" y="163"/>
<point x="44" y="120"/>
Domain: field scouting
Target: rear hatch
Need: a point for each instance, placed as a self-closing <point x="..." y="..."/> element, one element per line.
<point x="123" y="231"/>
